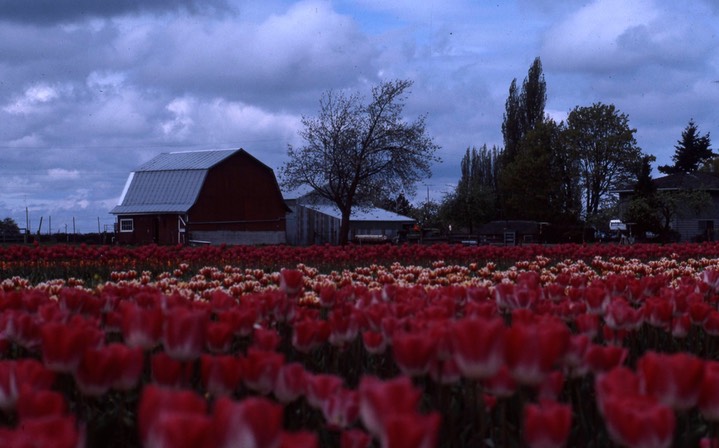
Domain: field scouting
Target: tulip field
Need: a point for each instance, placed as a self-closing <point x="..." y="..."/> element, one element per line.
<point x="359" y="346"/>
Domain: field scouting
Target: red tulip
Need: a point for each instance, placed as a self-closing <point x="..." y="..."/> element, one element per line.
<point x="167" y="417"/>
<point x="266" y="339"/>
<point x="341" y="408"/>
<point x="413" y="352"/>
<point x="478" y="346"/>
<point x="97" y="371"/>
<point x="221" y="375"/>
<point x="304" y="439"/>
<point x="40" y="403"/>
<point x="141" y="327"/>
<point x="532" y="350"/>
<point x="170" y="372"/>
<point x="64" y="344"/>
<point x="291" y="282"/>
<point x="711" y="323"/>
<point x="410" y="430"/>
<point x="547" y="424"/>
<point x="374" y="342"/>
<point x="219" y="337"/>
<point x="57" y="431"/>
<point x="381" y="399"/>
<point x="261" y="369"/>
<point x="639" y="421"/>
<point x="355" y="438"/>
<point x="291" y="382"/>
<point x="320" y="387"/>
<point x="674" y="379"/>
<point x="242" y="319"/>
<point x="618" y="382"/>
<point x="501" y="384"/>
<point x="601" y="358"/>
<point x="15" y="376"/>
<point x="184" y="333"/>
<point x="709" y="391"/>
<point x="253" y="423"/>
<point x="621" y="315"/>
<point x="309" y="334"/>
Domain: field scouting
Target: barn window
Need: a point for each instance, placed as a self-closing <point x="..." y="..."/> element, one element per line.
<point x="127" y="225"/>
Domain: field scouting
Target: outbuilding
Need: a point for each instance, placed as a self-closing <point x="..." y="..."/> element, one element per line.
<point x="313" y="222"/>
<point x="201" y="197"/>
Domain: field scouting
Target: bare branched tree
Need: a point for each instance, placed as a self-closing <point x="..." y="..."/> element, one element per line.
<point x="355" y="152"/>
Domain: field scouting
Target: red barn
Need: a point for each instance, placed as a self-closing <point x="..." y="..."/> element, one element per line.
<point x="210" y="197"/>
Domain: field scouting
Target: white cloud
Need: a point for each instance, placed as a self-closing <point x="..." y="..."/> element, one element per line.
<point x="31" y="98"/>
<point x="62" y="174"/>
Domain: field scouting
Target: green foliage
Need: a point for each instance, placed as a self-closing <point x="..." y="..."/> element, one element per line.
<point x="601" y="142"/>
<point x="9" y="230"/>
<point x="541" y="183"/>
<point x="691" y="151"/>
<point x="474" y="200"/>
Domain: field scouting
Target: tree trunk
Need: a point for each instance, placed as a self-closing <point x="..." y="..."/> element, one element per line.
<point x="345" y="227"/>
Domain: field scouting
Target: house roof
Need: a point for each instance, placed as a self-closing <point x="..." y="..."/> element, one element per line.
<point x="688" y="181"/>
<point x="169" y="183"/>
<point x="360" y="214"/>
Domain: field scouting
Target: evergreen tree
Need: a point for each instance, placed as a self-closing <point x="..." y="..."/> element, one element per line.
<point x="691" y="152"/>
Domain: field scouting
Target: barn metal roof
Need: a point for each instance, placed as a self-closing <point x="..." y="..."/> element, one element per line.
<point x="187" y="160"/>
<point x="169" y="183"/>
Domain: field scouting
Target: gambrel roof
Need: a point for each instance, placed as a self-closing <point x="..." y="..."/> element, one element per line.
<point x="169" y="183"/>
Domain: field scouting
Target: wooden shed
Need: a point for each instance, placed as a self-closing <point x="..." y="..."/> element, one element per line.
<point x="202" y="197"/>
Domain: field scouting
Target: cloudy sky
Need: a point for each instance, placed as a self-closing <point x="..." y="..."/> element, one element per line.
<point x="91" y="89"/>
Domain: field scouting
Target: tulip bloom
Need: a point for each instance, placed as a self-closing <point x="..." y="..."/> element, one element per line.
<point x="709" y="392"/>
<point x="64" y="344"/>
<point x="185" y="332"/>
<point x="674" y="379"/>
<point x="413" y="352"/>
<point x="291" y="382"/>
<point x="478" y="346"/>
<point x="547" y="424"/>
<point x="381" y="399"/>
<point x="141" y="327"/>
<point x="533" y="349"/>
<point x="253" y="422"/>
<point x="221" y="375"/>
<point x="168" y="418"/>
<point x="639" y="421"/>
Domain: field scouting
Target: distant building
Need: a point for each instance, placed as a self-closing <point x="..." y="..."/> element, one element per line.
<point x="511" y="232"/>
<point x="689" y="224"/>
<point x="319" y="223"/>
<point x="203" y="197"/>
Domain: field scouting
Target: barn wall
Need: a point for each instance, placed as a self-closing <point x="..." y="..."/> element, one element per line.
<point x="237" y="237"/>
<point x="148" y="229"/>
<point x="240" y="194"/>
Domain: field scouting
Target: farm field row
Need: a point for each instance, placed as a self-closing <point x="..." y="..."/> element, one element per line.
<point x="410" y="346"/>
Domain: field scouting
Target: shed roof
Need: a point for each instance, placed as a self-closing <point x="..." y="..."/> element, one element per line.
<point x="169" y="183"/>
<point x="360" y="214"/>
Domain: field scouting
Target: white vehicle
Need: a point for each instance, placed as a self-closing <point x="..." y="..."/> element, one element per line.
<point x="617" y="224"/>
